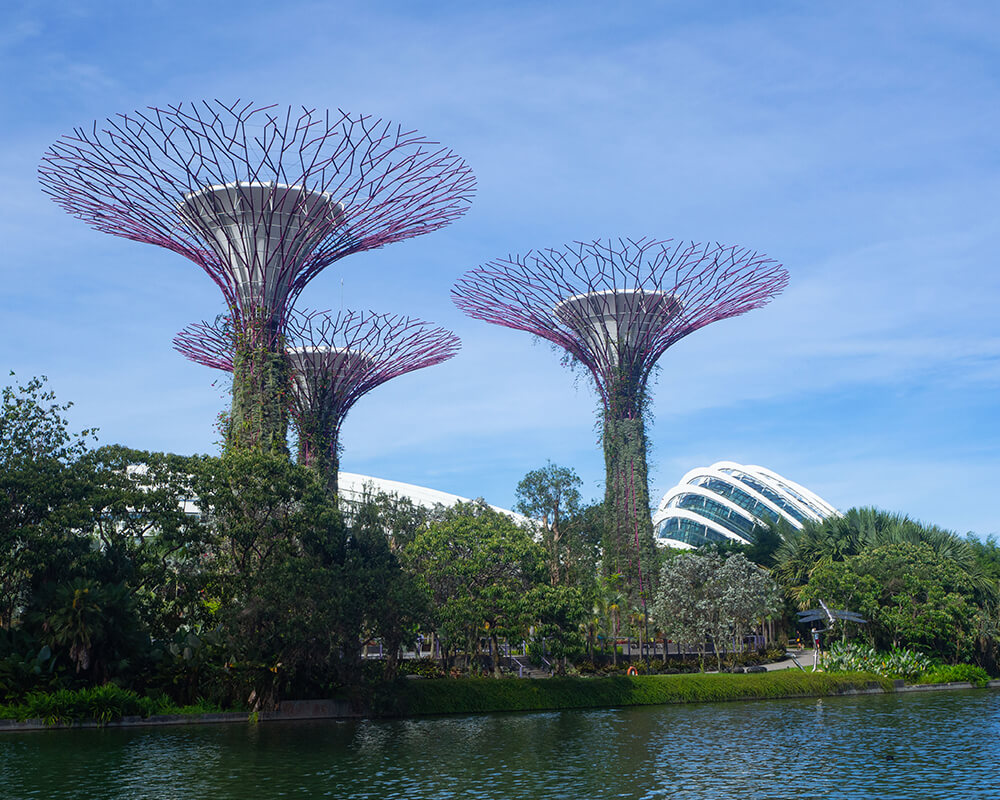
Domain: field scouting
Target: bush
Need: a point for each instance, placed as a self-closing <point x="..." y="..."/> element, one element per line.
<point x="897" y="663"/>
<point x="100" y="703"/>
<point x="952" y="673"/>
<point x="422" y="667"/>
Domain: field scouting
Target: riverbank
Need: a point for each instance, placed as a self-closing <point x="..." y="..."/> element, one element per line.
<point x="480" y="695"/>
<point x="418" y="698"/>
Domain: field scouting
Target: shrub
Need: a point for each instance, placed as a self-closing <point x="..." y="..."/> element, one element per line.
<point x="897" y="663"/>
<point x="422" y="667"/>
<point x="100" y="703"/>
<point x="952" y="673"/>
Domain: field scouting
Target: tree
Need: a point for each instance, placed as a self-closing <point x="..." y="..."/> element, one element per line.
<point x="911" y="595"/>
<point x="559" y="612"/>
<point x="684" y="601"/>
<point x="397" y="603"/>
<point x="551" y="494"/>
<point x="479" y="567"/>
<point x="282" y="576"/>
<point x="861" y="530"/>
<point x="42" y="494"/>
<point x="705" y="596"/>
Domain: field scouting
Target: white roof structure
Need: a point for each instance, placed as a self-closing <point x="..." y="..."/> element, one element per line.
<point x="351" y="487"/>
<point x="726" y="501"/>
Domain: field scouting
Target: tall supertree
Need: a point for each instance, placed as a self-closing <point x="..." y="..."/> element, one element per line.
<point x="615" y="307"/>
<point x="334" y="361"/>
<point x="262" y="199"/>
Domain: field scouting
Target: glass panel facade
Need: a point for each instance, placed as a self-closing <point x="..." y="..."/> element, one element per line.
<point x="688" y="531"/>
<point x="769" y="493"/>
<point x="713" y="510"/>
<point x="738" y="496"/>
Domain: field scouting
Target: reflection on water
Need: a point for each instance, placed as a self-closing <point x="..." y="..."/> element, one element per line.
<point x="938" y="745"/>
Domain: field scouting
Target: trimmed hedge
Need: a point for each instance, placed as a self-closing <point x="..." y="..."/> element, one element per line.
<point x="474" y="695"/>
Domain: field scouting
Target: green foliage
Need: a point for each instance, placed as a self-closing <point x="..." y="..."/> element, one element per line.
<point x="896" y="663"/>
<point x="102" y="704"/>
<point x="478" y="567"/>
<point x="629" y="550"/>
<point x="862" y="530"/>
<point x="476" y="695"/>
<point x="42" y="494"/>
<point x="955" y="673"/>
<point x="261" y="389"/>
<point x="911" y="595"/>
<point x="24" y="667"/>
<point x="421" y="667"/>
<point x="558" y="612"/>
<point x="550" y="495"/>
<point x="705" y="596"/>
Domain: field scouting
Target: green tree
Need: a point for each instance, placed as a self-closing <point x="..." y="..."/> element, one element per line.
<point x="705" y="596"/>
<point x="43" y="495"/>
<point x="549" y="495"/>
<point x="282" y="578"/>
<point x="397" y="603"/>
<point x="479" y="567"/>
<point x="559" y="612"/>
<point x="911" y="595"/>
<point x="859" y="531"/>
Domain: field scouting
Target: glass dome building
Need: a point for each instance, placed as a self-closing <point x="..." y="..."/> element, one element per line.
<point x="726" y="501"/>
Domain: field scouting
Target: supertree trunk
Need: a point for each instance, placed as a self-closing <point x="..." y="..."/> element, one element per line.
<point x="261" y="386"/>
<point x="259" y="417"/>
<point x="629" y="548"/>
<point x="319" y="448"/>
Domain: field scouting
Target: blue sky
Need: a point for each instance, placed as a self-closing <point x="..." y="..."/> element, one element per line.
<point x="854" y="142"/>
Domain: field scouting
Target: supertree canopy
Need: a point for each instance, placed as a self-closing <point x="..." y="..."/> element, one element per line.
<point x="262" y="199"/>
<point x="615" y="307"/>
<point x="334" y="361"/>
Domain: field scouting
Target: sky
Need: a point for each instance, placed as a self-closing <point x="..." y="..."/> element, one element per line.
<point x="853" y="142"/>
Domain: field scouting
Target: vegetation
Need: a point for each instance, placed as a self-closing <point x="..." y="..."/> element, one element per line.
<point x="705" y="597"/>
<point x="100" y="703"/>
<point x="133" y="581"/>
<point x="481" y="695"/>
<point x="919" y="587"/>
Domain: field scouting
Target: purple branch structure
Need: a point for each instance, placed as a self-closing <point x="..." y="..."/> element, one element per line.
<point x="262" y="199"/>
<point x="615" y="307"/>
<point x="334" y="361"/>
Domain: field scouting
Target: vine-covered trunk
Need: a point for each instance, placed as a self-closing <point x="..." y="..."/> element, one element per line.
<point x="319" y="449"/>
<point x="259" y="419"/>
<point x="629" y="549"/>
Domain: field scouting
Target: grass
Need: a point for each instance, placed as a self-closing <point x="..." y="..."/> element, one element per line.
<point x="469" y="695"/>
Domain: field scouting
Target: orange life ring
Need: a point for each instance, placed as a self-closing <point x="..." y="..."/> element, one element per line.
<point x="631" y="671"/>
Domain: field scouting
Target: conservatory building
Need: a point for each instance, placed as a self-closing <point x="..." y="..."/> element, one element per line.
<point x="726" y="501"/>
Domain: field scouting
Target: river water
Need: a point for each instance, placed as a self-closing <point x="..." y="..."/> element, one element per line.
<point x="907" y="746"/>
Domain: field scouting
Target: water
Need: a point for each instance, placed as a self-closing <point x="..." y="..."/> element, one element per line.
<point x="935" y="745"/>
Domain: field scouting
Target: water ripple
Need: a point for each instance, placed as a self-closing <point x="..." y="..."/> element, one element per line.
<point x="937" y="745"/>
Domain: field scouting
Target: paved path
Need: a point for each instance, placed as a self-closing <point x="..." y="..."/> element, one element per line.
<point x="804" y="658"/>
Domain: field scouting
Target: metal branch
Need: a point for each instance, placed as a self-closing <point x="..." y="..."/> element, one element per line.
<point x="261" y="198"/>
<point x="616" y="306"/>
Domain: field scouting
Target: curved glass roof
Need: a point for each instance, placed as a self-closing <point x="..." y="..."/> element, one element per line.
<point x="728" y="501"/>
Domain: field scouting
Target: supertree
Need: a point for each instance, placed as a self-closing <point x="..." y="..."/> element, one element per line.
<point x="615" y="307"/>
<point x="334" y="361"/>
<point x="262" y="199"/>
